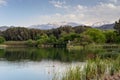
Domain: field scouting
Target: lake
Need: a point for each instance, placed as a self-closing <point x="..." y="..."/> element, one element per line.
<point x="43" y="63"/>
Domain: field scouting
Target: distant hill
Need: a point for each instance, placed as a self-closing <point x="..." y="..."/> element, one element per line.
<point x="53" y="25"/>
<point x="45" y="26"/>
<point x="56" y="25"/>
<point x="106" y="26"/>
<point x="3" y="28"/>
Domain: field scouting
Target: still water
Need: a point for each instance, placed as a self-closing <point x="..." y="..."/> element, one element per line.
<point x="41" y="64"/>
<point x="35" y="64"/>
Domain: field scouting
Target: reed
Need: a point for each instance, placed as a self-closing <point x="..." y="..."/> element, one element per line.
<point x="95" y="69"/>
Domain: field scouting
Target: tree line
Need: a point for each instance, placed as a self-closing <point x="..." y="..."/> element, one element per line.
<point x="42" y="36"/>
<point x="63" y="34"/>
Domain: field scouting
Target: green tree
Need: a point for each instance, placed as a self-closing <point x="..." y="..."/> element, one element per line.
<point x="43" y="39"/>
<point x="2" y="39"/>
<point x="17" y="34"/>
<point x="111" y="36"/>
<point x="96" y="35"/>
<point x="31" y="43"/>
<point x="52" y="39"/>
<point x="117" y="39"/>
<point x="80" y="29"/>
<point x="117" y="27"/>
<point x="82" y="40"/>
<point x="69" y="37"/>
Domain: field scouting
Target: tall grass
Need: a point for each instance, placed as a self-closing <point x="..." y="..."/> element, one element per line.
<point x="95" y="69"/>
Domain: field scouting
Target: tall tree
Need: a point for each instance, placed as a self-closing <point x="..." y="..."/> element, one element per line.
<point x="96" y="35"/>
<point x="111" y="36"/>
<point x="117" y="26"/>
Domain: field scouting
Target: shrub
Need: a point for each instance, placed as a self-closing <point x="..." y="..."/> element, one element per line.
<point x="2" y="39"/>
<point x="31" y="43"/>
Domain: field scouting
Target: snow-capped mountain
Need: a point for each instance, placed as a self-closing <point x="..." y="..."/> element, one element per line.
<point x="98" y="24"/>
<point x="3" y="28"/>
<point x="53" y="25"/>
<point x="106" y="26"/>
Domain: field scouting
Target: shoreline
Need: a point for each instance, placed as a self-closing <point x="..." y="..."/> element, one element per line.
<point x="71" y="47"/>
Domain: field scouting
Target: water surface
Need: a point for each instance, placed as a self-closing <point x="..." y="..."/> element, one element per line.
<point x="43" y="64"/>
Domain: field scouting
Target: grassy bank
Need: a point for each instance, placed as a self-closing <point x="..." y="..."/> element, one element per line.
<point x="94" y="46"/>
<point x="14" y="44"/>
<point x="97" y="69"/>
<point x="70" y="47"/>
<point x="32" y="43"/>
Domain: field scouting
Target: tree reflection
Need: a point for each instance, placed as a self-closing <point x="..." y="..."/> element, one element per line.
<point x="60" y="54"/>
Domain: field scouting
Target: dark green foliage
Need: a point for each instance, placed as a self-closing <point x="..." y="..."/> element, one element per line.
<point x="22" y="34"/>
<point x="63" y="34"/>
<point x="38" y="54"/>
<point x="31" y="43"/>
<point x="52" y="39"/>
<point x="35" y="33"/>
<point x="17" y="33"/>
<point x="111" y="36"/>
<point x="117" y="31"/>
<point x="67" y="29"/>
<point x="80" y="29"/>
<point x="2" y="39"/>
<point x="117" y="27"/>
<point x="96" y="35"/>
<point x="117" y="39"/>
<point x="69" y="37"/>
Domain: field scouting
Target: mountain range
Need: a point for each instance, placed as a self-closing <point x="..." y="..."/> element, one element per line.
<point x="106" y="26"/>
<point x="56" y="25"/>
<point x="3" y="28"/>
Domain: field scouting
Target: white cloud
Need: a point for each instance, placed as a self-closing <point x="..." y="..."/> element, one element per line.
<point x="80" y="7"/>
<point x="58" y="4"/>
<point x="108" y="12"/>
<point x="3" y="2"/>
<point x="114" y="1"/>
<point x="104" y="12"/>
<point x="107" y="5"/>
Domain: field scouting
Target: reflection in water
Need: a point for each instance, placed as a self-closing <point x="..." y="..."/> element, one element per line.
<point x="30" y="70"/>
<point x="34" y="54"/>
<point x="36" y="64"/>
<point x="59" y="54"/>
<point x="43" y="64"/>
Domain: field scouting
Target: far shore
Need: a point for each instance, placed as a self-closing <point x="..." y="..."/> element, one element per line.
<point x="13" y="44"/>
<point x="3" y="46"/>
<point x="71" y="47"/>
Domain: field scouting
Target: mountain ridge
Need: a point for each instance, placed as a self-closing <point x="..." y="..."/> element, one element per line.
<point x="56" y="25"/>
<point x="53" y="25"/>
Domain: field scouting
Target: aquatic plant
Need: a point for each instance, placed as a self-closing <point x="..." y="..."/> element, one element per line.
<point x="94" y="69"/>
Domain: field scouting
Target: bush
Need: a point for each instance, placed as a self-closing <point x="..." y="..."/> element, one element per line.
<point x="31" y="43"/>
<point x="96" y="35"/>
<point x="2" y="39"/>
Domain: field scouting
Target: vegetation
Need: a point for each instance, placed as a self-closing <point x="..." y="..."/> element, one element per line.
<point x="79" y="35"/>
<point x="97" y="69"/>
<point x="38" y="54"/>
<point x="2" y="39"/>
<point x="95" y="35"/>
<point x="31" y="43"/>
<point x="117" y="27"/>
<point x="79" y="38"/>
<point x="111" y="36"/>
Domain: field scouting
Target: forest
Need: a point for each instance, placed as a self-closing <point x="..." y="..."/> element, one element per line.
<point x="65" y="34"/>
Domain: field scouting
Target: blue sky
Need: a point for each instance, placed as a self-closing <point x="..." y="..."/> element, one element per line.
<point x="32" y="12"/>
